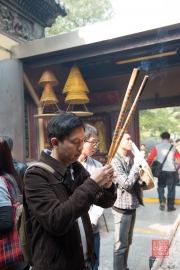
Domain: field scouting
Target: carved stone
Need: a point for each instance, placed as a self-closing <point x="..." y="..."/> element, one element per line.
<point x="43" y="11"/>
<point x="25" y="20"/>
<point x="13" y="24"/>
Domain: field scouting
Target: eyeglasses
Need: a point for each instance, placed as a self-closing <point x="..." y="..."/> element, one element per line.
<point x="93" y="143"/>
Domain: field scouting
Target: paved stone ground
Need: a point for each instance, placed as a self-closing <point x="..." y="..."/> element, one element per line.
<point x="151" y="224"/>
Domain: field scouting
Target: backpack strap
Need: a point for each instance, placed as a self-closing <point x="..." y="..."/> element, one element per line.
<point x="41" y="165"/>
<point x="35" y="164"/>
<point x="167" y="154"/>
<point x="66" y="180"/>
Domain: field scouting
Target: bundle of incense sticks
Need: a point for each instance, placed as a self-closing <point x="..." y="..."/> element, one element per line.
<point x="120" y="128"/>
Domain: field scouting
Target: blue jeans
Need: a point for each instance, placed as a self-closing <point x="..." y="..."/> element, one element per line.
<point x="96" y="249"/>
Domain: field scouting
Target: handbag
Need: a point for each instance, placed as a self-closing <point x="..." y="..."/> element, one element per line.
<point x="10" y="249"/>
<point x="156" y="166"/>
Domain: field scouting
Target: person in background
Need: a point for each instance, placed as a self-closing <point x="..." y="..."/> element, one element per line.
<point x="178" y="145"/>
<point x="18" y="165"/>
<point x="89" y="148"/>
<point x="8" y="171"/>
<point x="59" y="202"/>
<point x="168" y="176"/>
<point x="143" y="150"/>
<point x="171" y="141"/>
<point x="177" y="168"/>
<point x="178" y="149"/>
<point x="142" y="147"/>
<point x="129" y="197"/>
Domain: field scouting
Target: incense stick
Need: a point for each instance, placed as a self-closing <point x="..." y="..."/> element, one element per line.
<point x="123" y="110"/>
<point x="128" y="119"/>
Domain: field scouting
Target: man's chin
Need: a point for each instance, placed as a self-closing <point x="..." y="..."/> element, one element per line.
<point x="76" y="158"/>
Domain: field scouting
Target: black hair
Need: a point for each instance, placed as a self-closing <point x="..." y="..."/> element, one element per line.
<point x="165" y="135"/>
<point x="9" y="142"/>
<point x="178" y="140"/>
<point x="90" y="131"/>
<point x="61" y="126"/>
<point x="6" y="162"/>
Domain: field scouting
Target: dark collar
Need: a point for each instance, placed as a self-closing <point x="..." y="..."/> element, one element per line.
<point x="56" y="165"/>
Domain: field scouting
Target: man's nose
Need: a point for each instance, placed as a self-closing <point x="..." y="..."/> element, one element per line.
<point x="80" y="147"/>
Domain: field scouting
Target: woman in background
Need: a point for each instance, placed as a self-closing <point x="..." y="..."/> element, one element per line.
<point x="8" y="172"/>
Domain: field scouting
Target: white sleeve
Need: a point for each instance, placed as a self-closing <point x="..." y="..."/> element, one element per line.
<point x="5" y="199"/>
<point x="95" y="214"/>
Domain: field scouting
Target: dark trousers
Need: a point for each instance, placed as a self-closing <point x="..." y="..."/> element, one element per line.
<point x="18" y="266"/>
<point x="124" y="225"/>
<point x="167" y="179"/>
<point x="177" y="177"/>
<point x="96" y="249"/>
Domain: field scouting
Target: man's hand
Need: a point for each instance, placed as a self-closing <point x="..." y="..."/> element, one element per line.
<point x="103" y="176"/>
<point x="139" y="158"/>
<point x="108" y="185"/>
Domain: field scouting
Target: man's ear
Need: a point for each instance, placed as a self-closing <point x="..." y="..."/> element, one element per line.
<point x="54" y="142"/>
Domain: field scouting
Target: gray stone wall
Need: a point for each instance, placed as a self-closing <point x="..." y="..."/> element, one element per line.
<point x="12" y="121"/>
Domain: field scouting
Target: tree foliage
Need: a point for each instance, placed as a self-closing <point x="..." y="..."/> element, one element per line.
<point x="81" y="13"/>
<point x="154" y="122"/>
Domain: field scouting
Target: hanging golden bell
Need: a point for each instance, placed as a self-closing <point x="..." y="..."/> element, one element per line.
<point x="48" y="96"/>
<point x="75" y="81"/>
<point x="76" y="97"/>
<point x="48" y="77"/>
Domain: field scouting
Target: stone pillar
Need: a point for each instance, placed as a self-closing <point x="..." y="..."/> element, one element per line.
<point x="12" y="121"/>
